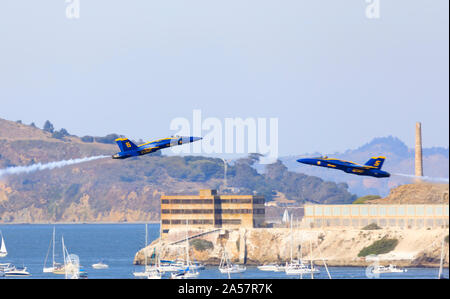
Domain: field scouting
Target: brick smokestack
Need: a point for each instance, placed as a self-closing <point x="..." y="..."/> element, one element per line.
<point x="418" y="158"/>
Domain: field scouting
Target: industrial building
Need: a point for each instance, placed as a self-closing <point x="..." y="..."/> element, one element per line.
<point x="209" y="210"/>
<point x="389" y="215"/>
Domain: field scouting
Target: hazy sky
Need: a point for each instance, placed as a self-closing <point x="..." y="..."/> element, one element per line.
<point x="334" y="78"/>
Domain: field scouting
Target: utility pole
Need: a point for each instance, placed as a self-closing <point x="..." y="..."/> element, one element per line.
<point x="225" y="166"/>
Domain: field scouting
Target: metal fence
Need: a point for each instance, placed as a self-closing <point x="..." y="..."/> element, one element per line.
<point x="405" y="216"/>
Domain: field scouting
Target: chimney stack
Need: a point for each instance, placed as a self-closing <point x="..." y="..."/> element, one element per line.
<point x="418" y="158"/>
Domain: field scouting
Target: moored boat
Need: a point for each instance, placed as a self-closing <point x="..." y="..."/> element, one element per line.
<point x="100" y="265"/>
<point x="3" y="251"/>
<point x="17" y="271"/>
<point x="387" y="269"/>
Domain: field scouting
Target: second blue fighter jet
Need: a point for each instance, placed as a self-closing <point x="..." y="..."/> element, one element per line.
<point x="371" y="168"/>
<point x="129" y="149"/>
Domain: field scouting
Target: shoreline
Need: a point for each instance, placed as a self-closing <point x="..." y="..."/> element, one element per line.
<point x="55" y="223"/>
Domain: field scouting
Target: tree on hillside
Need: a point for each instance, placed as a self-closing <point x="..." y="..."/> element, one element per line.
<point x="109" y="139"/>
<point x="64" y="132"/>
<point x="60" y="134"/>
<point x="48" y="127"/>
<point x="87" y="139"/>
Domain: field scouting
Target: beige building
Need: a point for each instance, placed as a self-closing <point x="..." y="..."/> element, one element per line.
<point x="210" y="210"/>
<point x="393" y="215"/>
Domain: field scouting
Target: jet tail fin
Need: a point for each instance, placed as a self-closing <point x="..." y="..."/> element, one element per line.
<point x="376" y="162"/>
<point x="125" y="144"/>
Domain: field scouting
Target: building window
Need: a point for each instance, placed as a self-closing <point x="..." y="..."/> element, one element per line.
<point x="318" y="211"/>
<point x="364" y="211"/>
<point x="391" y="211"/>
<point x="420" y="211"/>
<point x="231" y="221"/>
<point x="336" y="211"/>
<point x="345" y="211"/>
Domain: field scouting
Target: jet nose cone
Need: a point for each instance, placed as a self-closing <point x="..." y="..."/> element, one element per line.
<point x="304" y="161"/>
<point x="187" y="139"/>
<point x="192" y="139"/>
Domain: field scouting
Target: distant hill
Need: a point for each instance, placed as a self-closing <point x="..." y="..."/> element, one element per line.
<point x="400" y="160"/>
<point x="423" y="193"/>
<point x="127" y="190"/>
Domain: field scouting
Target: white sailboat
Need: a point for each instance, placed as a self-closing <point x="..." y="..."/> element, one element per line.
<point x="189" y="271"/>
<point x="297" y="267"/>
<point x="72" y="264"/>
<point x="3" y="251"/>
<point x="52" y="268"/>
<point x="226" y="267"/>
<point x="441" y="262"/>
<point x="150" y="272"/>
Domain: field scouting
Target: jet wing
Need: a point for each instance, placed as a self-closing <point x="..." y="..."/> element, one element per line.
<point x="345" y="164"/>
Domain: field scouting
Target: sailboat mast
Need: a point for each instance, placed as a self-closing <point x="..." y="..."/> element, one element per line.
<point x="159" y="243"/>
<point x="53" y="254"/>
<point x="3" y="251"/>
<point x="63" y="249"/>
<point x="292" y="239"/>
<point x="311" y="259"/>
<point x="442" y="260"/>
<point x="187" y="245"/>
<point x="146" y="236"/>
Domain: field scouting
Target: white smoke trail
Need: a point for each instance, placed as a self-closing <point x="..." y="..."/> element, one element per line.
<point x="50" y="165"/>
<point x="425" y="178"/>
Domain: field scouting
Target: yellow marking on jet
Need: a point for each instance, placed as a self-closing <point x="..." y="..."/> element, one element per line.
<point x="155" y="141"/>
<point x="357" y="170"/>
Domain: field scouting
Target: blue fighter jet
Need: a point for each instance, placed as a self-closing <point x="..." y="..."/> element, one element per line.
<point x="129" y="149"/>
<point x="371" y="168"/>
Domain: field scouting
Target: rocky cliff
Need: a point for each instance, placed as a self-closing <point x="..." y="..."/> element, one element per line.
<point x="338" y="247"/>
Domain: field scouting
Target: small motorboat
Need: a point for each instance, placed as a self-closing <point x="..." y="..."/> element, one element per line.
<point x="227" y="267"/>
<point x="100" y="265"/>
<point x="269" y="267"/>
<point x="17" y="271"/>
<point x="387" y="269"/>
